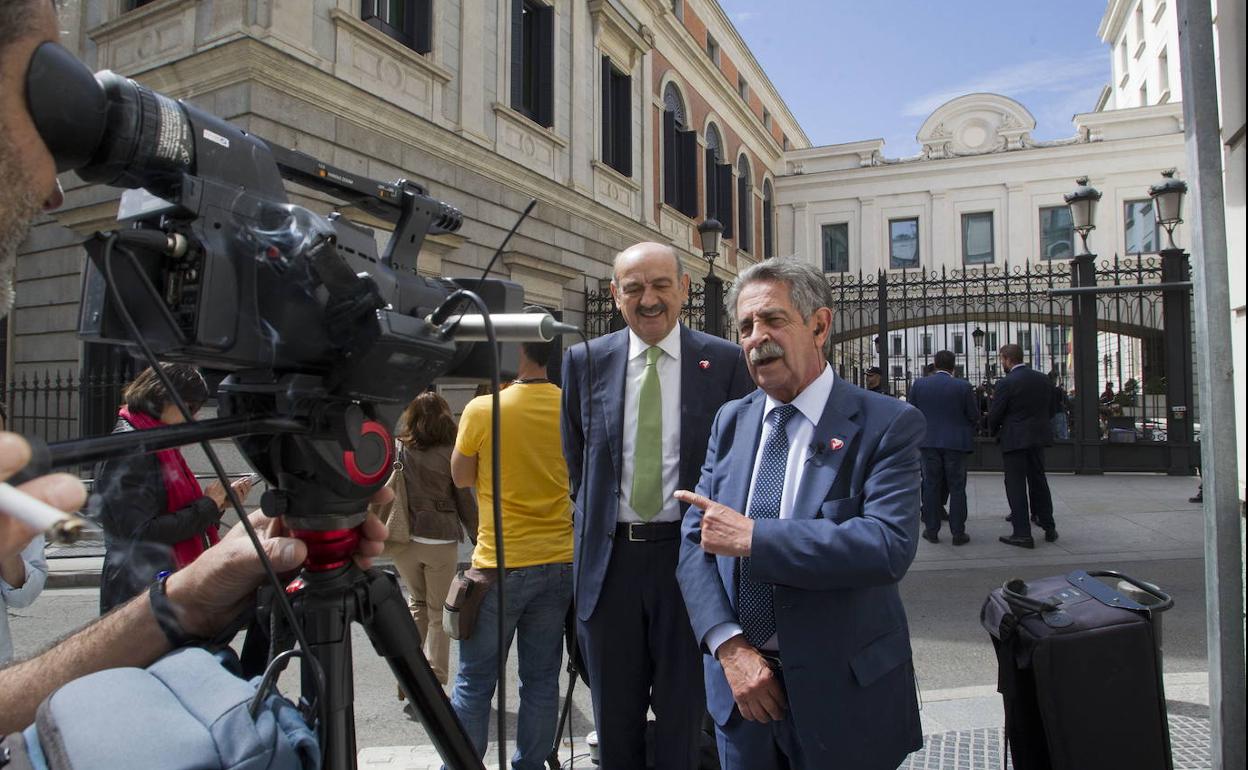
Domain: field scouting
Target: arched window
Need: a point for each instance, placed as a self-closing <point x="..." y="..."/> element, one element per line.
<point x="718" y="180"/>
<point x="745" y="205"/>
<point x="680" y="160"/>
<point x="769" y="248"/>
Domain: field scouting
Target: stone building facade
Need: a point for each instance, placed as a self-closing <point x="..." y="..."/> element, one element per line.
<point x="486" y="102"/>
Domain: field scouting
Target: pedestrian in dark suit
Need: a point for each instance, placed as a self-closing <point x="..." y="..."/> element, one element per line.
<point x="635" y="428"/>
<point x="803" y="524"/>
<point x="949" y="405"/>
<point x="1020" y="416"/>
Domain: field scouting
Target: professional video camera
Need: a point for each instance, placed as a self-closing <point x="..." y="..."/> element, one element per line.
<point x="324" y="341"/>
<point x="222" y="271"/>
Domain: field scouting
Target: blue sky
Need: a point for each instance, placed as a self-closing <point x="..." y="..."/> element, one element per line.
<point x="852" y="70"/>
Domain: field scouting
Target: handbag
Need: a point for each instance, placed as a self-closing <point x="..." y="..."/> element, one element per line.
<point x="463" y="601"/>
<point x="394" y="513"/>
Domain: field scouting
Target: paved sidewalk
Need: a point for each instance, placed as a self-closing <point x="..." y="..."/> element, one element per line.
<point x="1110" y="519"/>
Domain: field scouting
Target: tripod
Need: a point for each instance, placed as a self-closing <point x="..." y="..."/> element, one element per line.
<point x="330" y="593"/>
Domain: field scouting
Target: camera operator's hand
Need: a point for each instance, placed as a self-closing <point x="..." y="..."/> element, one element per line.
<point x="215" y="588"/>
<point x="60" y="490"/>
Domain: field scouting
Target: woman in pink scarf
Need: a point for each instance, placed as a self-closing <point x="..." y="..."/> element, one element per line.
<point x="155" y="515"/>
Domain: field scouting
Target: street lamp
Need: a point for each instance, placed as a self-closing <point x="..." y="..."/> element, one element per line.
<point x="710" y="232"/>
<point x="1082" y="203"/>
<point x="1167" y="198"/>
<point x="977" y="338"/>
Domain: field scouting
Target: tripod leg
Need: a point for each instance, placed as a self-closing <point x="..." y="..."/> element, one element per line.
<point x="326" y="607"/>
<point x="553" y="760"/>
<point x="393" y="633"/>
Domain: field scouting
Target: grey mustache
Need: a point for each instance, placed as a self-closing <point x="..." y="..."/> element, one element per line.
<point x="768" y="349"/>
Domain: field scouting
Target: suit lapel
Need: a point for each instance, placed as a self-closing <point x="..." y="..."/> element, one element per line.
<point x="609" y="391"/>
<point x="692" y="397"/>
<point x="736" y="488"/>
<point x="835" y="435"/>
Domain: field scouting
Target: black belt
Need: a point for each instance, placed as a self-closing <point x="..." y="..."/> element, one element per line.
<point x="649" y="532"/>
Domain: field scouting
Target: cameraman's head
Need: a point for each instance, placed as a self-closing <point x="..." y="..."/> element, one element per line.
<point x="27" y="170"/>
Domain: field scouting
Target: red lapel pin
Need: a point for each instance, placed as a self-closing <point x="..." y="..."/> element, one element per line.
<point x="835" y="444"/>
<point x="704" y="364"/>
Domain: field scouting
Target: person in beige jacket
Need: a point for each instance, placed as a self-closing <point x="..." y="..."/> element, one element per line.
<point x="438" y="515"/>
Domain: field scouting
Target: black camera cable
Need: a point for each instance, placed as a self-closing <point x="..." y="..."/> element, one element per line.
<point x="110" y="249"/>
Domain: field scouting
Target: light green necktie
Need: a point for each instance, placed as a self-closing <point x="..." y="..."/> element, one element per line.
<point x="647" y="497"/>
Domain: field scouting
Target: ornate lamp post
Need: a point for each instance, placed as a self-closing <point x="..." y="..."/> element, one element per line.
<point x="710" y="232"/>
<point x="1082" y="203"/>
<point x="977" y="337"/>
<point x="1176" y="302"/>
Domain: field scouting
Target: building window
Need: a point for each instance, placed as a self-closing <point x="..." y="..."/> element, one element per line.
<point x="408" y="21"/>
<point x="1122" y="57"/>
<point x="836" y="248"/>
<point x="897" y="372"/>
<point x="745" y="206"/>
<point x="1140" y="228"/>
<point x="959" y="343"/>
<point x="533" y="60"/>
<point x="977" y="238"/>
<point x="678" y="9"/>
<point x="680" y="155"/>
<point x="925" y="343"/>
<point x="992" y="342"/>
<point x="743" y="88"/>
<point x="1057" y="236"/>
<point x="1144" y="94"/>
<point x="712" y="48"/>
<point x="1163" y="74"/>
<point x="718" y="181"/>
<point x="617" y="118"/>
<point x="766" y="119"/>
<point x="896" y="344"/>
<point x="1139" y="23"/>
<point x="903" y="243"/>
<point x="769" y="248"/>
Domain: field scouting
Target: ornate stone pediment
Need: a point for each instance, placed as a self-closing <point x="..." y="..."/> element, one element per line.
<point x="976" y="124"/>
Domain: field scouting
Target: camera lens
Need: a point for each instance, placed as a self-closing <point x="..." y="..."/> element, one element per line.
<point x="109" y="129"/>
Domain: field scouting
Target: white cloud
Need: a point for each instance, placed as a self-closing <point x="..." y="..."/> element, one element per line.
<point x="1058" y="75"/>
<point x="740" y="17"/>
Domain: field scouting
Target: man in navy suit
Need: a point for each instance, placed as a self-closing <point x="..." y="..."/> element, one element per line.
<point x="804" y="522"/>
<point x="948" y="404"/>
<point x="637" y="412"/>
<point x="1020" y="416"/>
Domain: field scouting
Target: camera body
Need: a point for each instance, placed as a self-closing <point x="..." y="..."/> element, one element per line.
<point x="216" y="267"/>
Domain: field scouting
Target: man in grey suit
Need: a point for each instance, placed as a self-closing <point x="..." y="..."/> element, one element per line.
<point x="804" y="522"/>
<point x="637" y="411"/>
<point x="948" y="404"/>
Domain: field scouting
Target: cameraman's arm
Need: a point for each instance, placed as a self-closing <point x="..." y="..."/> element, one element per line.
<point x="206" y="595"/>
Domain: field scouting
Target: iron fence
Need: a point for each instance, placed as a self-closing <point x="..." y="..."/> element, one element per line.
<point x="63" y="404"/>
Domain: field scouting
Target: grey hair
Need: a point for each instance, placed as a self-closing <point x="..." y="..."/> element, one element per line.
<point x="808" y="288"/>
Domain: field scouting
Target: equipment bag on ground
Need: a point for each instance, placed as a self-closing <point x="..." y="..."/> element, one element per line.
<point x="1079" y="670"/>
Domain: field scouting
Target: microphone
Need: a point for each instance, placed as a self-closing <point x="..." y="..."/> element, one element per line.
<point x="508" y="327"/>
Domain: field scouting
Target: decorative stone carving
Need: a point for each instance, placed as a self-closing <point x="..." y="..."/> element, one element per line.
<point x="976" y="124"/>
<point x="543" y="280"/>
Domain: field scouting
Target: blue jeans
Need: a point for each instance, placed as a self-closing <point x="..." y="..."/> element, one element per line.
<point x="537" y="605"/>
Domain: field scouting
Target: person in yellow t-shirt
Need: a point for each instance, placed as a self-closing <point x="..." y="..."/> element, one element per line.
<point x="537" y="543"/>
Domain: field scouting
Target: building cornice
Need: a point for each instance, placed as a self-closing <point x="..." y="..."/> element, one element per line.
<point x="1113" y="21"/>
<point x="758" y="71"/>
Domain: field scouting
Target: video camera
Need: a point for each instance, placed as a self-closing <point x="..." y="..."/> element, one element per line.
<point x="218" y="268"/>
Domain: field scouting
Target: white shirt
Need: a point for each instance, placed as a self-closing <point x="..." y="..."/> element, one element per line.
<point x="36" y="576"/>
<point x="668" y="367"/>
<point x="810" y="404"/>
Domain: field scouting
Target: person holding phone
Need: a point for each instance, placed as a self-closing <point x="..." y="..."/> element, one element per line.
<point x="156" y="517"/>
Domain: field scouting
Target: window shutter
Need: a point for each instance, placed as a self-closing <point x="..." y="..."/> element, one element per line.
<point x="710" y="183"/>
<point x="688" y="173"/>
<point x="368" y="9"/>
<point x="517" y="54"/>
<point x="624" y="124"/>
<point x="723" y="191"/>
<point x="743" y="214"/>
<point x="545" y="60"/>
<point x="422" y="23"/>
<point x="608" y="119"/>
<point x="671" y="155"/>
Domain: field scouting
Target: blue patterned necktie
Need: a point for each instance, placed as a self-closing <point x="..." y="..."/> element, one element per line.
<point x="754" y="607"/>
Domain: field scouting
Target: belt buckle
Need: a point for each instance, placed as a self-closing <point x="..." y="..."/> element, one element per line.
<point x="632" y="539"/>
